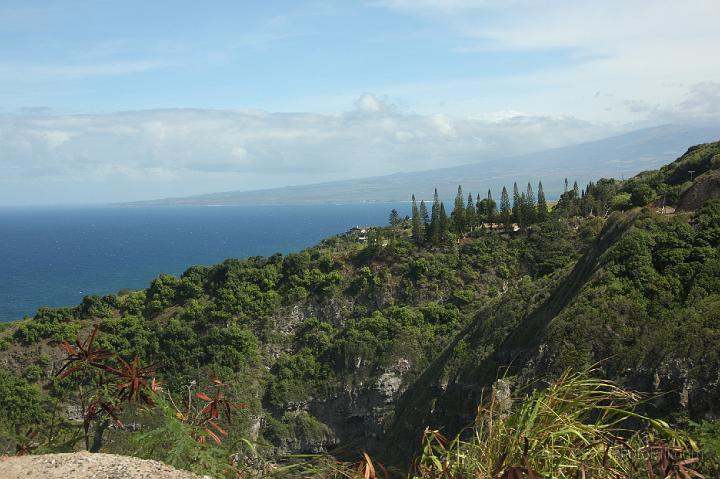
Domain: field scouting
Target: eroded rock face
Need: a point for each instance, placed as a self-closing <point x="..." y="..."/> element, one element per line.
<point x="389" y="383"/>
<point x="288" y="321"/>
<point x="706" y="187"/>
<point x="334" y="310"/>
<point x="675" y="390"/>
<point x="359" y="414"/>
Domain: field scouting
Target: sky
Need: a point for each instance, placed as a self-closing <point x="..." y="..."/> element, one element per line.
<point x="104" y="101"/>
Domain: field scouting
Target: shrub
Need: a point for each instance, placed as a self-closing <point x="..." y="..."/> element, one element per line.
<point x="642" y="194"/>
<point x="53" y="323"/>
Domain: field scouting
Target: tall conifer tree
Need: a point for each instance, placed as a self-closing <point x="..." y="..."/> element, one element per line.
<point x="530" y="195"/>
<point x="458" y="214"/>
<point x="394" y="221"/>
<point x="435" y="233"/>
<point x="394" y="218"/>
<point x="470" y="214"/>
<point x="542" y="207"/>
<point x="529" y="204"/>
<point x="424" y="216"/>
<point x="416" y="229"/>
<point x="444" y="223"/>
<point x="588" y="206"/>
<point x="490" y="208"/>
<point x="522" y="219"/>
<point x="516" y="204"/>
<point x="576" y="199"/>
<point x="505" y="212"/>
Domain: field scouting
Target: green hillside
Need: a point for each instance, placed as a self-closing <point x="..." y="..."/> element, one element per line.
<point x="361" y="342"/>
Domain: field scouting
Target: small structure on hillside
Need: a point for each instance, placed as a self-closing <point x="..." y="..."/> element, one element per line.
<point x="499" y="226"/>
<point x="358" y="230"/>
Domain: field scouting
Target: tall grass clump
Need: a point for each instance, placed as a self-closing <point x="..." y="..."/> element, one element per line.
<point x="577" y="427"/>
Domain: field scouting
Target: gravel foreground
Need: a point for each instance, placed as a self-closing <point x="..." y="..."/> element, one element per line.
<point x="84" y="465"/>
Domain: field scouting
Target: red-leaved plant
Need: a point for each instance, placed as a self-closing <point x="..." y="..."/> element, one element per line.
<point x="204" y="417"/>
<point x="134" y="382"/>
<point x="131" y="381"/>
<point x="82" y="354"/>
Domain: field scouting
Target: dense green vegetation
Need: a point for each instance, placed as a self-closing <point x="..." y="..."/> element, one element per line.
<point x="668" y="184"/>
<point x="366" y="338"/>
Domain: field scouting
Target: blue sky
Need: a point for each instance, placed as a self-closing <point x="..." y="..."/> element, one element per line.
<point x="137" y="100"/>
<point x="99" y="56"/>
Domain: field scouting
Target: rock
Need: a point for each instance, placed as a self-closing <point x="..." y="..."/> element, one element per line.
<point x="388" y="384"/>
<point x="502" y="395"/>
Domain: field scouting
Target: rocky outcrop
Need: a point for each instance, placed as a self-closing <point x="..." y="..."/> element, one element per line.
<point x="705" y="187"/>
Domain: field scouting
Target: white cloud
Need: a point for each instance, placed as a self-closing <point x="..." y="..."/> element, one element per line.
<point x="641" y="55"/>
<point x="404" y="136"/>
<point x="55" y="138"/>
<point x="443" y="125"/>
<point x="368" y="103"/>
<point x="700" y="105"/>
<point x="154" y="131"/>
<point x="703" y="102"/>
<point x="611" y="27"/>
<point x="184" y="151"/>
<point x="374" y="138"/>
<point x="239" y="152"/>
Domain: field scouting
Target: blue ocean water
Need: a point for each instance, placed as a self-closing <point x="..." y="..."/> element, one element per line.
<point x="55" y="256"/>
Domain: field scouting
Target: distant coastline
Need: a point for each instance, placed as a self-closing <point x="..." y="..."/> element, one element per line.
<point x="615" y="157"/>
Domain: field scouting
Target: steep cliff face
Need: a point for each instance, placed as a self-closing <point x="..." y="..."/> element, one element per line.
<point x="350" y="414"/>
<point x="357" y="415"/>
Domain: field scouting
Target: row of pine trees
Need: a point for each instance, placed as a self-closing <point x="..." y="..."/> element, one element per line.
<point x="433" y="226"/>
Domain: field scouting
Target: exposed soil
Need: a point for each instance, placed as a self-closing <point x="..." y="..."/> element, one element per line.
<point x="84" y="465"/>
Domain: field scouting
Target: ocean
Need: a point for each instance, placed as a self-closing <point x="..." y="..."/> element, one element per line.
<point x="55" y="256"/>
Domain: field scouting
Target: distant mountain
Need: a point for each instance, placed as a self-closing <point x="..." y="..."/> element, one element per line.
<point x="617" y="156"/>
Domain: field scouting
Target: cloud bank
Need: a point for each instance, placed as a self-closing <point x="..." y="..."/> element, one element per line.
<point x="184" y="151"/>
<point x="373" y="138"/>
